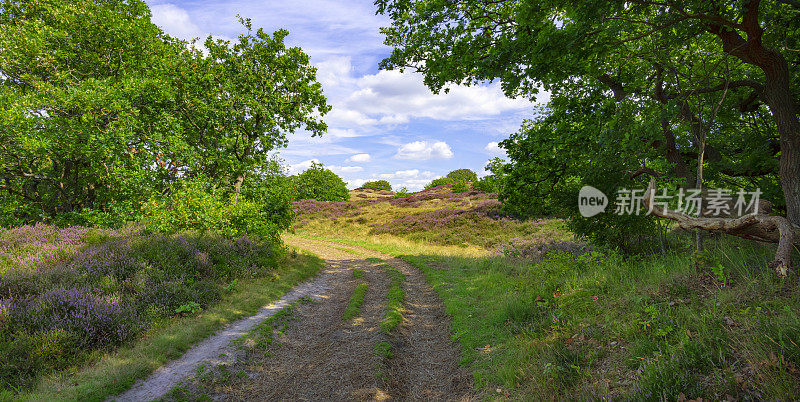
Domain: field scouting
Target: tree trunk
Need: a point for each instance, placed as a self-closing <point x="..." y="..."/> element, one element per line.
<point x="779" y="99"/>
<point x="238" y="186"/>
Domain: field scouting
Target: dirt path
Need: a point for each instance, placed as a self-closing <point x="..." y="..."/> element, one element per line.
<point x="425" y="365"/>
<point x="320" y="356"/>
<point x="215" y="348"/>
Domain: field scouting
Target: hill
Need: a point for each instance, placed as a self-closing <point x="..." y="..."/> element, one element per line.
<point x="540" y="315"/>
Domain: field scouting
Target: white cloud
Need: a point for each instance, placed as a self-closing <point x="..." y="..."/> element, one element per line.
<point x="176" y="22"/>
<point x="494" y="149"/>
<point x="424" y="150"/>
<point x="355" y="183"/>
<point x="301" y="166"/>
<point x="392" y="97"/>
<point x="413" y="179"/>
<point x="345" y="169"/>
<point x="359" y="158"/>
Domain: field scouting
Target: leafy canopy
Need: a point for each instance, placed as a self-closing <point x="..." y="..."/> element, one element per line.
<point x="321" y="184"/>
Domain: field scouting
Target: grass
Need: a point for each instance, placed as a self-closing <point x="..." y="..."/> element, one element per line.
<point x="117" y="371"/>
<point x="603" y="325"/>
<point x="354" y="306"/>
<point x="263" y="334"/>
<point x="599" y="324"/>
<point x="395" y="297"/>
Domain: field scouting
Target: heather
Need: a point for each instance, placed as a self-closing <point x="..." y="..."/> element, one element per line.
<point x="66" y="292"/>
<point x="437" y="215"/>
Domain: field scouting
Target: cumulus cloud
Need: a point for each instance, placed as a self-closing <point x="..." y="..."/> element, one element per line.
<point x="359" y="158"/>
<point x="355" y="183"/>
<point x="392" y="97"/>
<point x="345" y="169"/>
<point x="494" y="149"/>
<point x="424" y="150"/>
<point x="301" y="166"/>
<point x="175" y="21"/>
<point x="412" y="179"/>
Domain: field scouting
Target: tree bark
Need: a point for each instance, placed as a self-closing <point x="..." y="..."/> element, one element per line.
<point x="759" y="227"/>
<point x="777" y="95"/>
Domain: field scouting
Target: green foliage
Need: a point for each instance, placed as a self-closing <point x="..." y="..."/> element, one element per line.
<point x="439" y="182"/>
<point x="549" y="329"/>
<point x="188" y="308"/>
<point x="465" y="175"/>
<point x="492" y="183"/>
<point x="99" y="109"/>
<point x="402" y="192"/>
<point x="459" y="187"/>
<point x="193" y="206"/>
<point x="632" y="86"/>
<point x="320" y="184"/>
<point x="378" y="185"/>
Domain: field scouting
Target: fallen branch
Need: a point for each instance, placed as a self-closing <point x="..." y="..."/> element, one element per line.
<point x="759" y="227"/>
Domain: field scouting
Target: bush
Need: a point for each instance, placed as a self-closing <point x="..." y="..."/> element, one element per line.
<point x="459" y="187"/>
<point x="321" y="184"/>
<point x="190" y="206"/>
<point x="378" y="185"/>
<point x="402" y="193"/>
<point x="463" y="175"/>
<point x="488" y="184"/>
<point x="439" y="182"/>
<point x="102" y="287"/>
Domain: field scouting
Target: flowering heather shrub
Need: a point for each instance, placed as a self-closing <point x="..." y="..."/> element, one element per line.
<point x="99" y="322"/>
<point x="28" y="247"/>
<point x="85" y="289"/>
<point x="536" y="250"/>
<point x="472" y="217"/>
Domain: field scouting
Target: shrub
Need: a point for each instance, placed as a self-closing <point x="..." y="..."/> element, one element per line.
<point x="190" y="206"/>
<point x="378" y="185"/>
<point x="402" y="193"/>
<point x="96" y="289"/>
<point x="321" y="184"/>
<point x="488" y="184"/>
<point x="463" y="175"/>
<point x="439" y="182"/>
<point x="459" y="187"/>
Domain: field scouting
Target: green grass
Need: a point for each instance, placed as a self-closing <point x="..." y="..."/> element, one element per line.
<point x="395" y="297"/>
<point x="630" y="327"/>
<point x="354" y="306"/>
<point x="115" y="372"/>
<point x="358" y="274"/>
<point x="263" y="334"/>
<point x="383" y="349"/>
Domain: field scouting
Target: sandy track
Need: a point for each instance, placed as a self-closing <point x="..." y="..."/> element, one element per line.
<point x="320" y="356"/>
<point x="211" y="349"/>
<point x="426" y="361"/>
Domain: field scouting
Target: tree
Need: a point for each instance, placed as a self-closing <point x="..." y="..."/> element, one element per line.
<point x="321" y="184"/>
<point x="378" y="185"/>
<point x="676" y="73"/>
<point x="463" y="175"/>
<point x="99" y="108"/>
<point x="82" y="111"/>
<point x="241" y="100"/>
<point x="439" y="182"/>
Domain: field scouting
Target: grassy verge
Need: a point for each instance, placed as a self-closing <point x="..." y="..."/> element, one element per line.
<point x="169" y="339"/>
<point x="395" y="296"/>
<point x="354" y="306"/>
<point x="715" y="325"/>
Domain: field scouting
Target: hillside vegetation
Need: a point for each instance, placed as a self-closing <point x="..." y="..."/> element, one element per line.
<point x="550" y="317"/>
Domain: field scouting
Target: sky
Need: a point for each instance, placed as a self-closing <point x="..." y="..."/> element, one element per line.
<point x="384" y="125"/>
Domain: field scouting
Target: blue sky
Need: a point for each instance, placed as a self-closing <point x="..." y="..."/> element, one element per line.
<point x="384" y="124"/>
